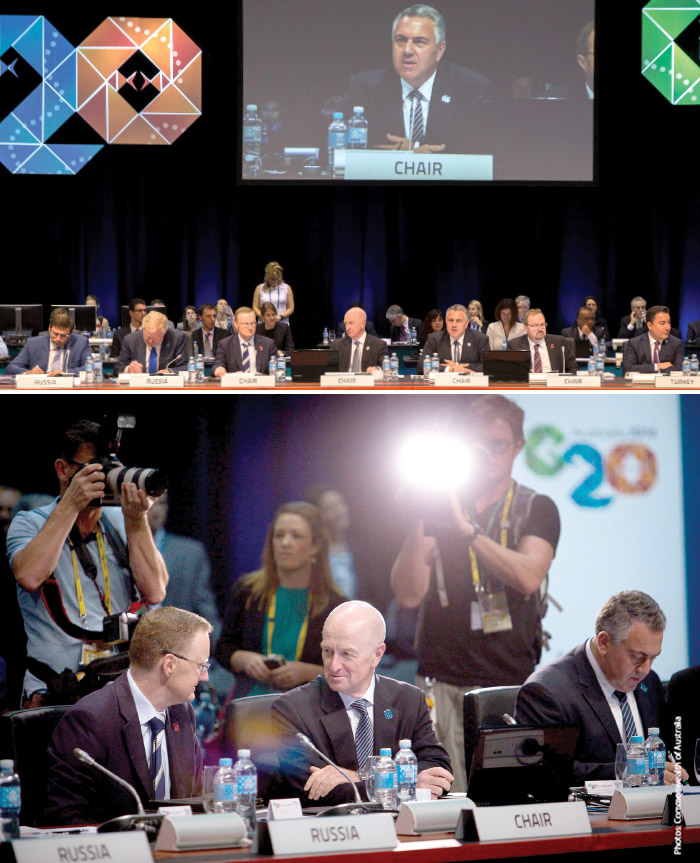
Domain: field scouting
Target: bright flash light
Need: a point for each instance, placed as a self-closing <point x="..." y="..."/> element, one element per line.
<point x="435" y="461"/>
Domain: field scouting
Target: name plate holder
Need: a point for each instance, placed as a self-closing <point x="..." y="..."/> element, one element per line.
<point x="44" y="382"/>
<point x="537" y="378"/>
<point x="533" y="821"/>
<point x="156" y="382"/>
<point x="335" y="834"/>
<point x="238" y="379"/>
<point x="682" y="808"/>
<point x="412" y="167"/>
<point x="634" y="803"/>
<point x="431" y="816"/>
<point x="132" y="846"/>
<point x="641" y="377"/>
<point x="584" y="381"/>
<point x="681" y="382"/>
<point x="364" y="379"/>
<point x="197" y="832"/>
<point x="456" y="380"/>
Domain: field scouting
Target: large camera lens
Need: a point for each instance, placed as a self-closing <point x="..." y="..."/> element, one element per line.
<point x="154" y="481"/>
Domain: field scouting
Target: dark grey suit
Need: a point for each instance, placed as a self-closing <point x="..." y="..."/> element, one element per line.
<point x="198" y="338"/>
<point x="440" y="343"/>
<point x="567" y="692"/>
<point x="693" y="337"/>
<point x="395" y="332"/>
<point x="638" y="354"/>
<point x="554" y="344"/>
<point x="134" y="349"/>
<point x="228" y="354"/>
<point x="372" y="354"/>
<point x="573" y="333"/>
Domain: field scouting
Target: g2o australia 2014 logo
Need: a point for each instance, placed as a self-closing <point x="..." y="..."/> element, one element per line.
<point x="630" y="468"/>
<point x="131" y="81"/>
<point x="671" y="49"/>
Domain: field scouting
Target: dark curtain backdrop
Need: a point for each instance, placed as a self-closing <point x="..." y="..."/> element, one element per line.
<point x="172" y="222"/>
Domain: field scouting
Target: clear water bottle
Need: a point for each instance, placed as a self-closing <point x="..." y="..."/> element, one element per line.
<point x="357" y="129"/>
<point x="199" y="367"/>
<point x="89" y="370"/>
<point x="637" y="764"/>
<point x="436" y="362"/>
<point x="191" y="371"/>
<point x="591" y="364"/>
<point x="337" y="138"/>
<point x="600" y="360"/>
<point x="97" y="369"/>
<point x="246" y="789"/>
<point x="394" y="367"/>
<point x="252" y="142"/>
<point x="272" y="367"/>
<point x="326" y="340"/>
<point x="412" y="336"/>
<point x="427" y="366"/>
<point x="686" y="366"/>
<point x="10" y="800"/>
<point x="205" y="716"/>
<point x="281" y="369"/>
<point x="386" y="368"/>
<point x="385" y="780"/>
<point x="225" y="787"/>
<point x="407" y="771"/>
<point x="656" y="754"/>
<point x="694" y="364"/>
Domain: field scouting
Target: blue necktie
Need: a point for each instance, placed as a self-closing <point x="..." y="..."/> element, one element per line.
<point x="627" y="719"/>
<point x="364" y="736"/>
<point x="457" y="352"/>
<point x="157" y="727"/>
<point x="152" y="362"/>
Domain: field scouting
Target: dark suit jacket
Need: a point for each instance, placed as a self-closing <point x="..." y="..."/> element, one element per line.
<point x="198" y="338"/>
<point x="554" y="345"/>
<point x="638" y="354"/>
<point x="228" y="354"/>
<point x="572" y="332"/>
<point x="566" y="692"/>
<point x="624" y="333"/>
<point x="682" y="701"/>
<point x="453" y="117"/>
<point x="372" y="355"/>
<point x="118" y="340"/>
<point x="400" y="711"/>
<point x="440" y="343"/>
<point x="693" y="337"/>
<point x="395" y="332"/>
<point x="134" y="348"/>
<point x="36" y="353"/>
<point x="281" y="335"/>
<point x="106" y="725"/>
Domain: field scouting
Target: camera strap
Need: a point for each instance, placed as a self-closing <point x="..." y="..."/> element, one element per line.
<point x="53" y="602"/>
<point x="271" y="627"/>
<point x="78" y="551"/>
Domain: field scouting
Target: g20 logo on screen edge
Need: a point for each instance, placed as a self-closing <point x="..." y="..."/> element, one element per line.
<point x="614" y="467"/>
<point x="670" y="39"/>
<point x="131" y="81"/>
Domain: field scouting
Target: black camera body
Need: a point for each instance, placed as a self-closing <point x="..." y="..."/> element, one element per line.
<point x="118" y="628"/>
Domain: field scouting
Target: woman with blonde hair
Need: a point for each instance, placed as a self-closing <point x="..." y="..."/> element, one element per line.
<point x="475" y="311"/>
<point x="276" y="291"/>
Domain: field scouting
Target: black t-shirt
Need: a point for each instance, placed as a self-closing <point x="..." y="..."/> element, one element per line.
<point x="449" y="649"/>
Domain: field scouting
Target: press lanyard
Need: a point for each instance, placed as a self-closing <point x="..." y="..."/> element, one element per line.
<point x="271" y="627"/>
<point x="107" y="600"/>
<point x="476" y="578"/>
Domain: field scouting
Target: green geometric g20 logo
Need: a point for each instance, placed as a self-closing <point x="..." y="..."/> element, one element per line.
<point x="671" y="49"/>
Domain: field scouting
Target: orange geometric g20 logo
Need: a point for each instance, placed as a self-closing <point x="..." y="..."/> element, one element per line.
<point x="132" y="80"/>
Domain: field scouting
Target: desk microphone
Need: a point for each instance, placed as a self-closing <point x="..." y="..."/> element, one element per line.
<point x="173" y="360"/>
<point x="358" y="807"/>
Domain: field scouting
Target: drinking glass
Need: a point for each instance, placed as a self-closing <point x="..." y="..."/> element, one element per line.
<point x="696" y="763"/>
<point x="368" y="774"/>
<point x="621" y="762"/>
<point x="210" y="772"/>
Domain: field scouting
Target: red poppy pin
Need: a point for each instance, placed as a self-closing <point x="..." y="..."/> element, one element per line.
<point x="176" y="727"/>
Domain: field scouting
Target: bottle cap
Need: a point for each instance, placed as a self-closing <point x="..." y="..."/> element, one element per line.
<point x="405" y="744"/>
<point x="654" y="731"/>
<point x="225" y="762"/>
<point x="384" y="752"/>
<point x="358" y="109"/>
<point x="7" y="764"/>
<point x="337" y="115"/>
<point x="244" y="753"/>
<point x="251" y="108"/>
<point x="636" y="740"/>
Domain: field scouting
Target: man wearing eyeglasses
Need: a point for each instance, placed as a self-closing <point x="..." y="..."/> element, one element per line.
<point x="141" y="727"/>
<point x="478" y="568"/>
<point x="60" y="350"/>
<point x="548" y="353"/>
<point x="75" y="563"/>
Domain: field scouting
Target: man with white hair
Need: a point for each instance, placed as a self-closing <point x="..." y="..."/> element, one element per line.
<point x="359" y="352"/>
<point x="153" y="348"/>
<point x="350" y="713"/>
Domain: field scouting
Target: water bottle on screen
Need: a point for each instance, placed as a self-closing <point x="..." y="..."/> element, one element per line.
<point x="10" y="800"/>
<point x="406" y="771"/>
<point x="281" y="369"/>
<point x="386" y="368"/>
<point x="637" y="764"/>
<point x="337" y="138"/>
<point x="205" y="716"/>
<point x="427" y="366"/>
<point x="199" y="367"/>
<point x="272" y="367"/>
<point x="97" y="368"/>
<point x="686" y="366"/>
<point x="385" y="780"/>
<point x="246" y="789"/>
<point x="694" y="364"/>
<point x="591" y="364"/>
<point x="357" y="129"/>
<point x="252" y="142"/>
<point x="436" y="362"/>
<point x="600" y="360"/>
<point x="326" y="340"/>
<point x="225" y="787"/>
<point x="191" y="370"/>
<point x="394" y="367"/>
<point x="656" y="753"/>
<point x="89" y="370"/>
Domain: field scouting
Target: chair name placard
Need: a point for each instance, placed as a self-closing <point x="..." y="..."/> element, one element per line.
<point x="131" y="846"/>
<point x="414" y="167"/>
<point x="43" y="382"/>
<point x="347" y="380"/>
<point x="373" y="832"/>
<point x="156" y="382"/>
<point x="681" y="382"/>
<point x="237" y="379"/>
<point x="450" y="379"/>
<point x="574" y="382"/>
<point x="533" y="821"/>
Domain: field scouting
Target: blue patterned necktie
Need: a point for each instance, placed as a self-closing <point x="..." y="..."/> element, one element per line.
<point x="627" y="719"/>
<point x="157" y="727"/>
<point x="153" y="362"/>
<point x="364" y="735"/>
<point x="457" y="352"/>
<point x="245" y="363"/>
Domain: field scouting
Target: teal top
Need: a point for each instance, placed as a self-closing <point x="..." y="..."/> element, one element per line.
<point x="291" y="608"/>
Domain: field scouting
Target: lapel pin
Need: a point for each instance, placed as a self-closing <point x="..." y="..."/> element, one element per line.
<point x="446" y="99"/>
<point x="643" y="687"/>
<point x="388" y="714"/>
<point x="176" y="727"/>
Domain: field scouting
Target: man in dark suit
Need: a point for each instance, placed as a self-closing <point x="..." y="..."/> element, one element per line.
<point x="400" y="324"/>
<point x="422" y="101"/>
<point x="140" y="727"/>
<point x="458" y="350"/>
<point x="244" y="351"/>
<point x="585" y="329"/>
<point x="358" y="351"/>
<point x="153" y="348"/>
<point x="137" y="312"/>
<point x="656" y="349"/>
<point x="693" y="336"/>
<point x="208" y="336"/>
<point x="350" y="713"/>
<point x="537" y="339"/>
<point x="59" y="350"/>
<point x="634" y="324"/>
<point x="605" y="687"/>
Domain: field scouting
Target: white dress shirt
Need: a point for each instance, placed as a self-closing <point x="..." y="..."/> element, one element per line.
<point x="426" y="91"/>
<point x="251" y="353"/>
<point x="353" y="715"/>
<point x="544" y="354"/>
<point x="146" y="711"/>
<point x="612" y="699"/>
<point x="360" y="348"/>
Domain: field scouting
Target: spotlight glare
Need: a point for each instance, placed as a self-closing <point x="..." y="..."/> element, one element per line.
<point x="434" y="461"/>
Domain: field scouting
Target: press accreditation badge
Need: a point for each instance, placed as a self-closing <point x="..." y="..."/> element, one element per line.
<point x="495" y="614"/>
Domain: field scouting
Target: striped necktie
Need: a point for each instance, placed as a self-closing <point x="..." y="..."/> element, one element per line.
<point x="656" y="353"/>
<point x="57" y="364"/>
<point x="416" y="121"/>
<point x="245" y="364"/>
<point x="538" y="359"/>
<point x="457" y="352"/>
<point x="627" y="719"/>
<point x="157" y="727"/>
<point x="364" y="736"/>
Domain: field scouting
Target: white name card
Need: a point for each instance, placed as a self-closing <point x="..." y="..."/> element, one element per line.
<point x="603" y="786"/>
<point x="158" y="382"/>
<point x="641" y="377"/>
<point x="412" y="167"/>
<point x="333" y="834"/>
<point x="526" y="822"/>
<point x="450" y="379"/>
<point x="683" y="382"/>
<point x="43" y="382"/>
<point x="132" y="846"/>
<point x="691" y="808"/>
<point x="574" y="381"/>
<point x="632" y="803"/>
<point x="289" y="807"/>
<point x="347" y="380"/>
<point x="237" y="379"/>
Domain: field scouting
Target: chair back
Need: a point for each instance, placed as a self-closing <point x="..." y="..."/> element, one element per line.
<point x="485" y="708"/>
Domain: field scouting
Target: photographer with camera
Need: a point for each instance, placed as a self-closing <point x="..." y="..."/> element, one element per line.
<point x="76" y="564"/>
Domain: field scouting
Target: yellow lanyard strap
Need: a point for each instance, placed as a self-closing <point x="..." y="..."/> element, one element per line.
<point x="271" y="627"/>
<point x="476" y="578"/>
<point x="105" y="576"/>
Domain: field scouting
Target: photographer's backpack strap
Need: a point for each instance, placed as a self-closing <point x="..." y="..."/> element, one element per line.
<point x="53" y="602"/>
